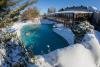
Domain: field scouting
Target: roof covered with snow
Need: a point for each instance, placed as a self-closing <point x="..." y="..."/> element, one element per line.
<point x="71" y="11"/>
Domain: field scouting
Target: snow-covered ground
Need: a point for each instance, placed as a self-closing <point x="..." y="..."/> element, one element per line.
<point x="91" y="42"/>
<point x="18" y="25"/>
<point x="72" y="56"/>
<point x="47" y="22"/>
<point x="66" y="33"/>
<point x="97" y="34"/>
<point x="2" y="54"/>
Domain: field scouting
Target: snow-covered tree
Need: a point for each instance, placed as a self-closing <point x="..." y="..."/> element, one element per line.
<point x="7" y="15"/>
<point x="30" y="14"/>
<point x="81" y="28"/>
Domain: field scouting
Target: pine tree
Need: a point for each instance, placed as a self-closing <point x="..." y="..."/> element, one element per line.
<point x="7" y="16"/>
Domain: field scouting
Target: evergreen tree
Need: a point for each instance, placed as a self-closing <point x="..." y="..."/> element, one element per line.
<point x="8" y="16"/>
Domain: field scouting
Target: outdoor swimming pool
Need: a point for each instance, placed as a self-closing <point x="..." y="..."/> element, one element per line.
<point x="41" y="38"/>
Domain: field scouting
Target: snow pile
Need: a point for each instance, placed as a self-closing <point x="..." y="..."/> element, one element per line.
<point x="91" y="42"/>
<point x="97" y="34"/>
<point x="18" y="25"/>
<point x="2" y="55"/>
<point x="58" y="25"/>
<point x="72" y="56"/>
<point x="66" y="33"/>
<point x="76" y="56"/>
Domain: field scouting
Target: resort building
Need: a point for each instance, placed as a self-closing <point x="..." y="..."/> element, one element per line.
<point x="96" y="20"/>
<point x="73" y="14"/>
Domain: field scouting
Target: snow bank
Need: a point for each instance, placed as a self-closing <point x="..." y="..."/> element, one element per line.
<point x="72" y="56"/>
<point x="76" y="56"/>
<point x="2" y="55"/>
<point x="58" y="25"/>
<point x="91" y="42"/>
<point x="97" y="34"/>
<point x="18" y="25"/>
<point x="66" y="33"/>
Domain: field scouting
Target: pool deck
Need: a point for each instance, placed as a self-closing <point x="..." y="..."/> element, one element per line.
<point x="66" y="33"/>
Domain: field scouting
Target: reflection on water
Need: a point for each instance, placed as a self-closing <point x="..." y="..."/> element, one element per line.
<point x="28" y="34"/>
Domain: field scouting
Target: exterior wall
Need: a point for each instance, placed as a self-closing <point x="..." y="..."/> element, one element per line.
<point x="72" y="16"/>
<point x="96" y="18"/>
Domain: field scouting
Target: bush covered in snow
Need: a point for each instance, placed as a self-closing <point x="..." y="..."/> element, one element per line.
<point x="79" y="29"/>
<point x="12" y="52"/>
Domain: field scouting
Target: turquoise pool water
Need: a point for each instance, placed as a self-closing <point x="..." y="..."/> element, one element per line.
<point x="41" y="38"/>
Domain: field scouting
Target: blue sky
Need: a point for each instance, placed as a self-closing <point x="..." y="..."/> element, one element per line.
<point x="43" y="5"/>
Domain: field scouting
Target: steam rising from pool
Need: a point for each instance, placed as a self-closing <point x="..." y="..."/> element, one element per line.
<point x="41" y="38"/>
